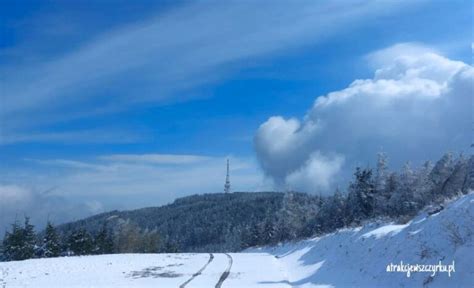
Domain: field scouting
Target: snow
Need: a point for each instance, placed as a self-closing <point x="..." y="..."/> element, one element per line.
<point x="359" y="257"/>
<point x="355" y="257"/>
<point x="126" y="270"/>
<point x="144" y="270"/>
<point x="390" y="229"/>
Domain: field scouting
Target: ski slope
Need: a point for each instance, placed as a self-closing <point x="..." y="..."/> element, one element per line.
<point x="355" y="257"/>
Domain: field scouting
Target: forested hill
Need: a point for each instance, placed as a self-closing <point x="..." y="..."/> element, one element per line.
<point x="209" y="222"/>
<point x="234" y="221"/>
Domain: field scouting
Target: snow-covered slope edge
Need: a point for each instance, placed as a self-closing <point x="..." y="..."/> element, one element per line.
<point x="359" y="257"/>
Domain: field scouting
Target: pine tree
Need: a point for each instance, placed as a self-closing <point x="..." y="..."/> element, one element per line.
<point x="391" y="187"/>
<point x="12" y="243"/>
<point x="29" y="238"/>
<point x="104" y="243"/>
<point x="423" y="185"/>
<point x="267" y="232"/>
<point x="80" y="242"/>
<point x="454" y="184"/>
<point x="440" y="174"/>
<point x="19" y="244"/>
<point x="51" y="242"/>
<point x="403" y="201"/>
<point x="360" y="202"/>
<point x="337" y="210"/>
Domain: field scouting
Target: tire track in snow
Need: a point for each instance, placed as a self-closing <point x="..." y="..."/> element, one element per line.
<point x="226" y="272"/>
<point x="211" y="257"/>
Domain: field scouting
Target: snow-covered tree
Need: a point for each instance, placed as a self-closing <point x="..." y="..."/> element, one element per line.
<point x="381" y="172"/>
<point x="403" y="201"/>
<point x="440" y="173"/>
<point x="13" y="243"/>
<point x="454" y="184"/>
<point x="51" y="242"/>
<point x="360" y="201"/>
<point x="422" y="185"/>
<point x="380" y="182"/>
<point x="29" y="235"/>
<point x="19" y="244"/>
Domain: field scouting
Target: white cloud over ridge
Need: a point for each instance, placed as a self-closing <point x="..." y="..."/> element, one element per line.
<point x="417" y="106"/>
<point x="17" y="201"/>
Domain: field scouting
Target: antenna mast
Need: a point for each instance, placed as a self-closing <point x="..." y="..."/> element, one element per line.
<point x="227" y="180"/>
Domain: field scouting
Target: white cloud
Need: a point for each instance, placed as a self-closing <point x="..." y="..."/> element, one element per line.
<point x="156" y="158"/>
<point x="183" y="48"/>
<point x="80" y="136"/>
<point x="14" y="196"/>
<point x="17" y="201"/>
<point x="318" y="173"/>
<point x="417" y="106"/>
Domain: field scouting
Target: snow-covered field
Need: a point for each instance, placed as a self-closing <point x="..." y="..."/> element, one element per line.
<point x="145" y="270"/>
<point x="349" y="258"/>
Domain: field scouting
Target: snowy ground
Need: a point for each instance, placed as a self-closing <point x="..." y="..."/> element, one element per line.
<point x="146" y="270"/>
<point x="359" y="257"/>
<point x="349" y="258"/>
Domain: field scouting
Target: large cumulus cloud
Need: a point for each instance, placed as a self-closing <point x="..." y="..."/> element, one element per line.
<point x="417" y="106"/>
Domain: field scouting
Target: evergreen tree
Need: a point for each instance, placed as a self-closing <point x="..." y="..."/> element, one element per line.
<point x="422" y="184"/>
<point x="360" y="202"/>
<point x="19" y="244"/>
<point x="29" y="238"/>
<point x="104" y="243"/>
<point x="13" y="243"/>
<point x="455" y="183"/>
<point x="337" y="210"/>
<point x="267" y="232"/>
<point x="51" y="242"/>
<point x="80" y="242"/>
<point x="403" y="201"/>
<point x="440" y="174"/>
<point x="390" y="189"/>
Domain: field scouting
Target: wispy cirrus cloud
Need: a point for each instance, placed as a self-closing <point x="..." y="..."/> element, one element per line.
<point x="158" y="59"/>
<point x="75" y="136"/>
<point x="156" y="158"/>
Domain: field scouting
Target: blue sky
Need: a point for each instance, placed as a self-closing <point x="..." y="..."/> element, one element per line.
<point x="84" y="83"/>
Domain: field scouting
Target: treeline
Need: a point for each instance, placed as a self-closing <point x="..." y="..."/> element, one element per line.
<point x="373" y="193"/>
<point x="232" y="222"/>
<point x="214" y="222"/>
<point x="22" y="242"/>
<point x="382" y="194"/>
